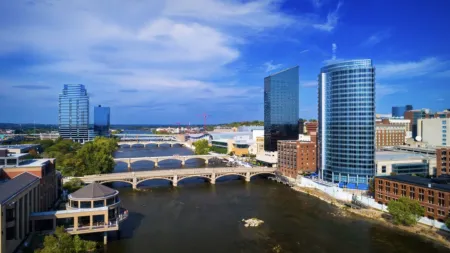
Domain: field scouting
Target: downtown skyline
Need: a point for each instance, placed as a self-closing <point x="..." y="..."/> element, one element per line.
<point x="162" y="62"/>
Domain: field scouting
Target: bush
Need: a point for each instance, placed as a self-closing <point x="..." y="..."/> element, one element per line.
<point x="405" y="211"/>
<point x="447" y="223"/>
<point x="62" y="242"/>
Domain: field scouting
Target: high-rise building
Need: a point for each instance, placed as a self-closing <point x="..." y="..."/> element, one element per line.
<point x="281" y="107"/>
<point x="443" y="161"/>
<point x="399" y="111"/>
<point x="346" y="122"/>
<point x="101" y="121"/>
<point x="415" y="115"/>
<point x="74" y="112"/>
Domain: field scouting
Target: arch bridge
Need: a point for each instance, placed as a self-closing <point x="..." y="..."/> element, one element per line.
<point x="175" y="176"/>
<point x="157" y="159"/>
<point x="131" y="143"/>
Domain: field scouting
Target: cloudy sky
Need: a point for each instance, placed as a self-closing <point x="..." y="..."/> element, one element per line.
<point x="168" y="61"/>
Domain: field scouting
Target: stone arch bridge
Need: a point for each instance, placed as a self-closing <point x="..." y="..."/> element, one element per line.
<point x="156" y="159"/>
<point x="132" y="143"/>
<point x="175" y="176"/>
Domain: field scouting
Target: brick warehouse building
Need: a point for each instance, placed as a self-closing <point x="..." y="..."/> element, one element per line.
<point x="296" y="157"/>
<point x="388" y="135"/>
<point x="433" y="194"/>
<point x="443" y="161"/>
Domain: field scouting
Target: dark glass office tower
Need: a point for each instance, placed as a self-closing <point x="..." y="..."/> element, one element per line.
<point x="399" y="111"/>
<point x="74" y="112"/>
<point x="281" y="107"/>
<point x="347" y="122"/>
<point x="101" y="121"/>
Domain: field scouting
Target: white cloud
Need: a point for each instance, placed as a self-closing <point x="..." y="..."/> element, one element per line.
<point x="308" y="84"/>
<point x="332" y="20"/>
<point x="150" y="45"/>
<point x="304" y="51"/>
<point x="382" y="90"/>
<point x="411" y="68"/>
<point x="270" y="66"/>
<point x="376" y="38"/>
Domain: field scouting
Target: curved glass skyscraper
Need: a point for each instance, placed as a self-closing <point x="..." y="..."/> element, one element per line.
<point x="74" y="112"/>
<point x="347" y="122"/>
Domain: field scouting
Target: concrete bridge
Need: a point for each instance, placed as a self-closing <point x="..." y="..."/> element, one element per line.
<point x="131" y="143"/>
<point x="175" y="176"/>
<point x="157" y="159"/>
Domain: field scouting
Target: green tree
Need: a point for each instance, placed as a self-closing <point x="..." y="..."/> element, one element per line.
<point x="201" y="147"/>
<point x="372" y="187"/>
<point x="405" y="211"/>
<point x="73" y="185"/>
<point x="96" y="157"/>
<point x="62" y="242"/>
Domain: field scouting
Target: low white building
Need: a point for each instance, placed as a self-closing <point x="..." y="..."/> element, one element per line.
<point x="404" y="163"/>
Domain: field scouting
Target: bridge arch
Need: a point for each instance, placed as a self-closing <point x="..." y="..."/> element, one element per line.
<point x="152" y="178"/>
<point x="205" y="159"/>
<point x="124" y="145"/>
<point x="115" y="181"/>
<point x="146" y="160"/>
<point x="171" y="158"/>
<point x="262" y="173"/>
<point x="194" y="176"/>
<point x="135" y="145"/>
<point x="231" y="174"/>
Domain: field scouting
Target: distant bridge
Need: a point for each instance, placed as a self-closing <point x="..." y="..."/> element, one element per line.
<point x="131" y="137"/>
<point x="157" y="159"/>
<point x="175" y="176"/>
<point x="132" y="143"/>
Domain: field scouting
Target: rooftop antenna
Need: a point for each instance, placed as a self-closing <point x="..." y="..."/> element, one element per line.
<point x="334" y="48"/>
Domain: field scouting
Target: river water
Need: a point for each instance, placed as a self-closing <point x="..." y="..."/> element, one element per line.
<point x="200" y="217"/>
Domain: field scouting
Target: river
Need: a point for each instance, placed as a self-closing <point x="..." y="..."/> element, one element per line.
<point x="200" y="217"/>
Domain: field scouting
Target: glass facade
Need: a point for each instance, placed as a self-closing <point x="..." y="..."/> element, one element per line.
<point x="74" y="112"/>
<point x="399" y="111"/>
<point x="281" y="91"/>
<point x="347" y="122"/>
<point x="101" y="121"/>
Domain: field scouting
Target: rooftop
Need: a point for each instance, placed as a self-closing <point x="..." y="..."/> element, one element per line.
<point x="16" y="185"/>
<point x="419" y="181"/>
<point x="93" y="191"/>
<point x="29" y="163"/>
<point x="19" y="146"/>
<point x="397" y="156"/>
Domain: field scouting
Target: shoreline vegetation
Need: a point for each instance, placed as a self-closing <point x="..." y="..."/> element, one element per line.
<point x="433" y="234"/>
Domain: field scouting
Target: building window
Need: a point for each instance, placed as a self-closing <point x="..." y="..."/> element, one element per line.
<point x="395" y="188"/>
<point x="441" y="199"/>
<point x="441" y="212"/>
<point x="430" y="197"/>
<point x="383" y="169"/>
<point x="412" y="195"/>
<point x="421" y="195"/>
<point x="430" y="210"/>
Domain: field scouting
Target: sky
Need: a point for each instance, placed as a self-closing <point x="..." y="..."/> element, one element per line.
<point x="170" y="61"/>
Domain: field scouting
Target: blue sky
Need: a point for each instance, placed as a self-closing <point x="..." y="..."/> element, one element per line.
<point x="168" y="61"/>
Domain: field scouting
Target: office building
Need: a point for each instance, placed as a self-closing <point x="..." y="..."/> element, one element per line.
<point x="415" y="115"/>
<point x="281" y="107"/>
<point x="296" y="157"/>
<point x="434" y="131"/>
<point x="399" y="111"/>
<point x="443" y="161"/>
<point x="101" y="121"/>
<point x="433" y="194"/>
<point x="301" y="126"/>
<point x="404" y="163"/>
<point x="346" y="135"/>
<point x="311" y="126"/>
<point x="18" y="198"/>
<point x="388" y="135"/>
<point x="74" y="112"/>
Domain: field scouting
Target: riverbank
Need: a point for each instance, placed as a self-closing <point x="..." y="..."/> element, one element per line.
<point x="430" y="233"/>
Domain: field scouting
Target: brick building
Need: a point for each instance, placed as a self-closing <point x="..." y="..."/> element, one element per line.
<point x="296" y="157"/>
<point x="44" y="169"/>
<point x="433" y="194"/>
<point x="443" y="161"/>
<point x="388" y="135"/>
<point x="311" y="126"/>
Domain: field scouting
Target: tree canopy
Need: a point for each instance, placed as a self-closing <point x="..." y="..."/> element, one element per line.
<point x="405" y="211"/>
<point x="62" y="242"/>
<point x="74" y="159"/>
<point x="201" y="147"/>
